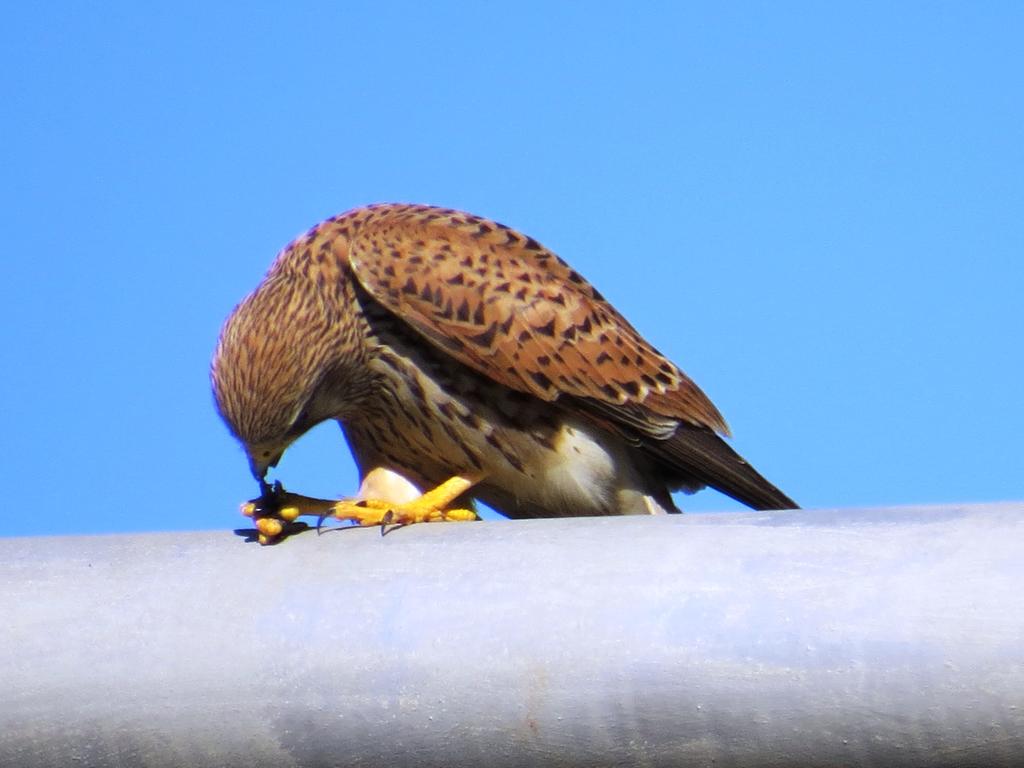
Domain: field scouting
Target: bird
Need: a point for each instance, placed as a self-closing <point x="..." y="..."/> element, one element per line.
<point x="464" y="362"/>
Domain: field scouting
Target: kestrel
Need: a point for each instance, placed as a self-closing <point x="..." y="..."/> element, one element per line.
<point x="463" y="361"/>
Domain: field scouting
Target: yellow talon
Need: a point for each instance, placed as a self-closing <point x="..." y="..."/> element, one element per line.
<point x="275" y="510"/>
<point x="376" y="512"/>
<point x="269" y="526"/>
<point x="461" y="515"/>
<point x="428" y="508"/>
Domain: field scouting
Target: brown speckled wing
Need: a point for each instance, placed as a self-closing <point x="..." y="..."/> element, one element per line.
<point x="501" y="303"/>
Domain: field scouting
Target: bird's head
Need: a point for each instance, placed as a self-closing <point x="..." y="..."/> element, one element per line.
<point x="267" y="369"/>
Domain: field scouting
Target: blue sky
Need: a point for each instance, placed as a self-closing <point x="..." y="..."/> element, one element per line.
<point x="815" y="209"/>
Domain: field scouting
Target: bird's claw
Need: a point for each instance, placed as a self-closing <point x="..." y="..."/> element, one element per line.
<point x="273" y="514"/>
<point x="373" y="512"/>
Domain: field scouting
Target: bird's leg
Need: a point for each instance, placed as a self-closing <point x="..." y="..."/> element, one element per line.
<point x="384" y="498"/>
<point x="403" y="507"/>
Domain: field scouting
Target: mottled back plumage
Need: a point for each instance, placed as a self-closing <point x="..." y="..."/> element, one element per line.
<point x="446" y="343"/>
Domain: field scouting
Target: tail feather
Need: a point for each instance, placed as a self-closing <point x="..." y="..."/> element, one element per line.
<point x="698" y="453"/>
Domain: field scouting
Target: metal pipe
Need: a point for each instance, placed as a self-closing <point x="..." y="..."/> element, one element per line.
<point x="859" y="637"/>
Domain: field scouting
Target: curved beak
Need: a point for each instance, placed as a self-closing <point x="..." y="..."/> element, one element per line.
<point x="260" y="462"/>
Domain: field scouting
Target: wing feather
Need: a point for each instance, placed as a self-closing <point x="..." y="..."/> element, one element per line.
<point x="509" y="308"/>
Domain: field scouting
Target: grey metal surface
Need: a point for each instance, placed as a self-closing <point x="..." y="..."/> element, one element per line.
<point x="878" y="637"/>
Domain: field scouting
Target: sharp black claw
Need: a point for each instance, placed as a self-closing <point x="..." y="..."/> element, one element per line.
<point x="320" y="521"/>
